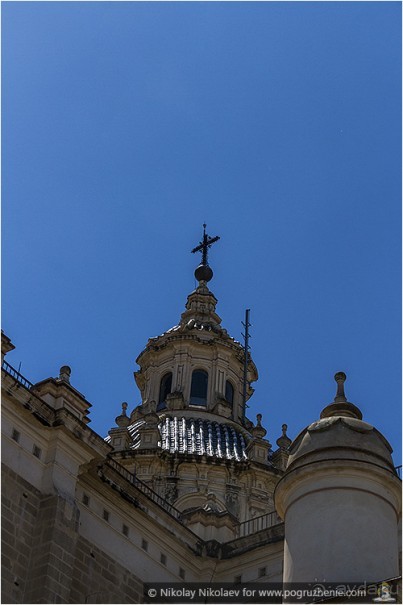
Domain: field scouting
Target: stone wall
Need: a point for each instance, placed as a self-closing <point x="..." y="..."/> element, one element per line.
<point x="100" y="579"/>
<point x="53" y="552"/>
<point x="20" y="506"/>
<point x="45" y="560"/>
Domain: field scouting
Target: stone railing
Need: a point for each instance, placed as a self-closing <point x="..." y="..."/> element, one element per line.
<point x="15" y="374"/>
<point x="143" y="487"/>
<point x="31" y="401"/>
<point x="246" y="528"/>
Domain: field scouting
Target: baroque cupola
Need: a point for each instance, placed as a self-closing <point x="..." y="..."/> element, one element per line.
<point x="196" y="366"/>
<point x="189" y="439"/>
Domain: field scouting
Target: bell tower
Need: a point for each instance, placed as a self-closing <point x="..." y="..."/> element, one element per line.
<point x="189" y="438"/>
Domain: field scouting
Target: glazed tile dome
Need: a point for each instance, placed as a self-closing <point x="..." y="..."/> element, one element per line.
<point x="196" y="436"/>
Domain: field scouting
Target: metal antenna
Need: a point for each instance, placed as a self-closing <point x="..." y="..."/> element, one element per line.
<point x="246" y="348"/>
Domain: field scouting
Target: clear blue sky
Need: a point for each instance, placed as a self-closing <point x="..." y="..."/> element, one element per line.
<point x="127" y="125"/>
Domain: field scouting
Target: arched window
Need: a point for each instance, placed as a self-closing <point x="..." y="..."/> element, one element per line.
<point x="198" y="390"/>
<point x="165" y="389"/>
<point x="229" y="392"/>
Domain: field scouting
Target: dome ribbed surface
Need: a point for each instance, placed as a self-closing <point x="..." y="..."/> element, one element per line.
<point x="197" y="436"/>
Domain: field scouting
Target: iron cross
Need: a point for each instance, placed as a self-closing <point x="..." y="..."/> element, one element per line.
<point x="205" y="245"/>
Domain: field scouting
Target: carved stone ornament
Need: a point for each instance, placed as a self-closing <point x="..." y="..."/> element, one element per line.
<point x="149" y="407"/>
<point x="232" y="503"/>
<point x="171" y="493"/>
<point x="175" y="401"/>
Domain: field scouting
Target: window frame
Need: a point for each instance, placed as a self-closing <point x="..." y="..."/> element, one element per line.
<point x="229" y="382"/>
<point x="162" y="402"/>
<point x="199" y="403"/>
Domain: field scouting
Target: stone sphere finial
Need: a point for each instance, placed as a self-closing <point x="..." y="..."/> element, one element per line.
<point x="340" y="376"/>
<point x="259" y="419"/>
<point x="203" y="273"/>
<point x="65" y="373"/>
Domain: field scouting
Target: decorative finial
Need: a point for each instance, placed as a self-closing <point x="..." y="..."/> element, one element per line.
<point x="340" y="378"/>
<point x="341" y="407"/>
<point x="65" y="373"/>
<point x="284" y="441"/>
<point x="123" y="420"/>
<point x="258" y="431"/>
<point x="203" y="271"/>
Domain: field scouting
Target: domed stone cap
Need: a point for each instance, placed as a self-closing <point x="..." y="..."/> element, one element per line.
<point x="340" y="434"/>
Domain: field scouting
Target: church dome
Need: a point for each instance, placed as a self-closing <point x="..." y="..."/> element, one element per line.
<point x="191" y="383"/>
<point x="190" y="437"/>
<point x="197" y="437"/>
<point x="196" y="366"/>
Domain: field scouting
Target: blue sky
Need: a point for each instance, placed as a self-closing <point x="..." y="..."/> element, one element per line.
<point x="127" y="125"/>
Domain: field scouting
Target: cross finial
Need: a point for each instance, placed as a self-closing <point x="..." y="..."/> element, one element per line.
<point x="201" y="273"/>
<point x="205" y="245"/>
